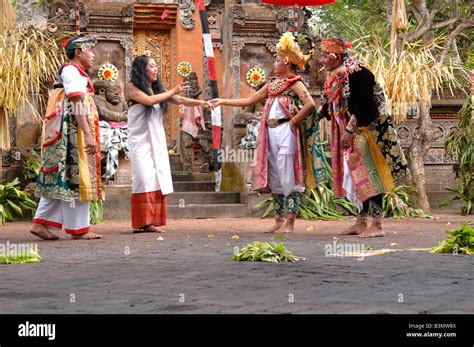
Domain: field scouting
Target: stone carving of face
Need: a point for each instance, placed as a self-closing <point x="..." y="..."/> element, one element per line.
<point x="112" y="94"/>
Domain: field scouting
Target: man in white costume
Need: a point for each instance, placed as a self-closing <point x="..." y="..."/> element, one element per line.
<point x="279" y="147"/>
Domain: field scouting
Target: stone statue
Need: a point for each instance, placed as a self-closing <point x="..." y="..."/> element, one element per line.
<point x="194" y="89"/>
<point x="250" y="113"/>
<point x="110" y="105"/>
<point x="112" y="110"/>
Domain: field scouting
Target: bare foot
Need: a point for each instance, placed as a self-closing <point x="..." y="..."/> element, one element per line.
<point x="149" y="229"/>
<point x="155" y="229"/>
<point x="358" y="228"/>
<point x="375" y="230"/>
<point x="284" y="231"/>
<point x="41" y="231"/>
<point x="278" y="224"/>
<point x="87" y="236"/>
<point x="289" y="226"/>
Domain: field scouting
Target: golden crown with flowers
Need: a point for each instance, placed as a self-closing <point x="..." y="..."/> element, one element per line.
<point x="291" y="52"/>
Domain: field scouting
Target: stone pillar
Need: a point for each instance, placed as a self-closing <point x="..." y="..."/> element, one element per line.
<point x="231" y="174"/>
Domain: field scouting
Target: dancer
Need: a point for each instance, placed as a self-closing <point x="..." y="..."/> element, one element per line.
<point x="70" y="173"/>
<point x="279" y="146"/>
<point x="367" y="159"/>
<point x="148" y="152"/>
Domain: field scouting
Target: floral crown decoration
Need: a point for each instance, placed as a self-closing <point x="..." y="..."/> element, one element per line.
<point x="291" y="52"/>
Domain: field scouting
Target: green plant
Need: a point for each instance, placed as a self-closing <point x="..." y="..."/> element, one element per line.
<point x="459" y="146"/>
<point x="399" y="204"/>
<point x="320" y="204"/>
<point x="96" y="210"/>
<point x="265" y="251"/>
<point x="43" y="3"/>
<point x="31" y="169"/>
<point x="267" y="203"/>
<point x="26" y="256"/>
<point x="461" y="240"/>
<point x="14" y="202"/>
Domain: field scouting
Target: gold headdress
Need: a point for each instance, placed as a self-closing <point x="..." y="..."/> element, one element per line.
<point x="291" y="52"/>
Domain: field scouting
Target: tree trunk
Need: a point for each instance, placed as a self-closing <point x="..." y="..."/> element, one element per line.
<point x="2" y="140"/>
<point x="417" y="151"/>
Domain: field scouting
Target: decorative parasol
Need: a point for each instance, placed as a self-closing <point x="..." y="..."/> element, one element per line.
<point x="296" y="4"/>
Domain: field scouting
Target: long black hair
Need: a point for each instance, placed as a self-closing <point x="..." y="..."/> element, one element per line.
<point x="140" y="80"/>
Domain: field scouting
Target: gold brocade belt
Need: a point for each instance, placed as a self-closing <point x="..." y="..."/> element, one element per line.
<point x="274" y="122"/>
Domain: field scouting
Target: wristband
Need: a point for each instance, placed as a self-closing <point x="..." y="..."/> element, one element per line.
<point x="350" y="130"/>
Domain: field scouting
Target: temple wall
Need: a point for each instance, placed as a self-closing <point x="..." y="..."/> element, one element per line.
<point x="243" y="35"/>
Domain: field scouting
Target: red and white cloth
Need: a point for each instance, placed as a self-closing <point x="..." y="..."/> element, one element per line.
<point x="56" y="214"/>
<point x="193" y="119"/>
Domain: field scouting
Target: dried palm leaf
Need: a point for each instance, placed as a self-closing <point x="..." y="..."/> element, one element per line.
<point x="30" y="58"/>
<point x="411" y="77"/>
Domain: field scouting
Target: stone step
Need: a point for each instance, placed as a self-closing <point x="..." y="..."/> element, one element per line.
<point x="191" y="176"/>
<point x="203" y="176"/>
<point x="176" y="166"/>
<point x="208" y="211"/>
<point x="175" y="159"/>
<point x="194" y="186"/>
<point x="203" y="198"/>
<point x="181" y="176"/>
<point x="208" y="204"/>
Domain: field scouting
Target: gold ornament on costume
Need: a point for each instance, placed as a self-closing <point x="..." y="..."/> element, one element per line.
<point x="291" y="52"/>
<point x="107" y="72"/>
<point x="184" y="69"/>
<point x="255" y="76"/>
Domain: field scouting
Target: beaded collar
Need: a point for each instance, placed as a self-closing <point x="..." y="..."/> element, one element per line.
<point x="336" y="85"/>
<point x="276" y="86"/>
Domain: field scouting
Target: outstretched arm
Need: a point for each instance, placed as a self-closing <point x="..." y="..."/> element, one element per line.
<point x="181" y="100"/>
<point x="135" y="94"/>
<point x="243" y="102"/>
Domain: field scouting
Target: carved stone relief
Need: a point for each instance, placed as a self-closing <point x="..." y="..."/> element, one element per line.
<point x="442" y="127"/>
<point x="186" y="9"/>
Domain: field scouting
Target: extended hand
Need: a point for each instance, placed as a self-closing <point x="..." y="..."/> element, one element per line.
<point x="293" y="127"/>
<point x="90" y="144"/>
<point x="180" y="88"/>
<point x="207" y="105"/>
<point x="216" y="102"/>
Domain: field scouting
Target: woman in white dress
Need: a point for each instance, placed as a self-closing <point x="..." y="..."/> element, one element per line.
<point x="148" y="152"/>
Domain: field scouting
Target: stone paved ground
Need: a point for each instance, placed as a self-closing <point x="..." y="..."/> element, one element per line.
<point x="189" y="272"/>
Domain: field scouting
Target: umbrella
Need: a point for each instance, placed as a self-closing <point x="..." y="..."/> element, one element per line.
<point x="295" y="4"/>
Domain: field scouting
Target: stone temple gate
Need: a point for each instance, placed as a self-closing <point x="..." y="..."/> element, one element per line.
<point x="244" y="34"/>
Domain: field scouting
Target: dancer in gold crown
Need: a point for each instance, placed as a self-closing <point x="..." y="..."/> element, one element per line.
<point x="280" y="149"/>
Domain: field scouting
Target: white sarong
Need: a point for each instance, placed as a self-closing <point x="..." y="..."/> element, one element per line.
<point x="148" y="151"/>
<point x="281" y="155"/>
